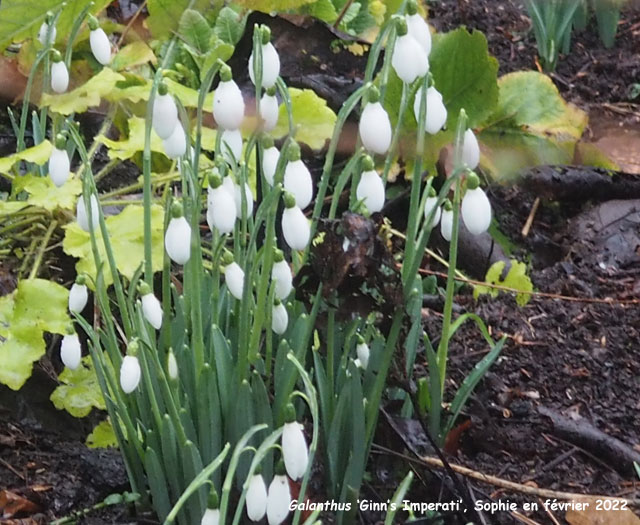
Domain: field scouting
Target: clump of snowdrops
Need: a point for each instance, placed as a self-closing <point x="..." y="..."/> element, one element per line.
<point x="218" y="382"/>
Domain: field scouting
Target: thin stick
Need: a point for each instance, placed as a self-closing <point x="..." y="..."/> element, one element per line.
<point x="130" y="23"/>
<point x="548" y="511"/>
<point x="532" y="214"/>
<point x="43" y="247"/>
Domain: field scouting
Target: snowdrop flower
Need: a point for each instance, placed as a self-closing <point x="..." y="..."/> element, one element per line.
<point x="270" y="157"/>
<point x="176" y="145"/>
<point x="256" y="497"/>
<point x="237" y="194"/>
<point x="234" y="277"/>
<point x="78" y="295"/>
<point x="44" y="29"/>
<point x="446" y="223"/>
<point x="374" y="126"/>
<point x="81" y="212"/>
<point x="281" y="275"/>
<point x="295" y="226"/>
<point x="151" y="307"/>
<point x="417" y="27"/>
<point x="99" y="41"/>
<point x="363" y="352"/>
<point x="130" y="369"/>
<point x="232" y="146"/>
<point x="165" y="113"/>
<point x="212" y="514"/>
<point x="431" y="204"/>
<point x="59" y="163"/>
<point x="177" y="239"/>
<point x="370" y="189"/>
<point x="269" y="109"/>
<point x="409" y="60"/>
<point x="70" y="350"/>
<point x="228" y="104"/>
<point x="476" y="208"/>
<point x="470" y="150"/>
<point x="297" y="178"/>
<point x="172" y="366"/>
<point x="279" y="318"/>
<point x="436" y="115"/>
<point x="270" y="61"/>
<point x="221" y="205"/>
<point x="278" y="497"/>
<point x="294" y="446"/>
<point x="59" y="73"/>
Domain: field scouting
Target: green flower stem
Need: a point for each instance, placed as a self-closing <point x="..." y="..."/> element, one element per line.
<point x="376" y="49"/>
<point x="43" y="246"/>
<point x="404" y="99"/>
<point x="286" y="98"/>
<point x="343" y="179"/>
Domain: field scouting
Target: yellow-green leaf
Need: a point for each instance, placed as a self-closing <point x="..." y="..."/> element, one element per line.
<point x="102" y="436"/>
<point x="516" y="279"/>
<point x="38" y="155"/>
<point x="128" y="147"/>
<point x="164" y="15"/>
<point x="131" y="55"/>
<point x="79" y="391"/>
<point x="44" y="193"/>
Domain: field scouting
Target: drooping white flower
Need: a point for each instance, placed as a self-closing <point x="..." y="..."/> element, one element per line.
<point x="152" y="310"/>
<point x="256" y="498"/>
<point x="436" y="115"/>
<point x="270" y="159"/>
<point x="270" y="66"/>
<point x="371" y="190"/>
<point x="298" y="182"/>
<point x="409" y="60"/>
<point x="130" y="374"/>
<point x="295" y="228"/>
<point x="81" y="213"/>
<point x="375" y="128"/>
<point x="100" y="46"/>
<point x="269" y="111"/>
<point x="470" y="150"/>
<point x="476" y="211"/>
<point x="234" y="277"/>
<point x="70" y="351"/>
<point x="363" y="353"/>
<point x="165" y="113"/>
<point x="59" y="166"/>
<point x="237" y="195"/>
<point x="78" y="297"/>
<point x="176" y="145"/>
<point x="278" y="499"/>
<point x="294" y="450"/>
<point x="172" y="366"/>
<point x="42" y="34"/>
<point x="281" y="274"/>
<point x="177" y="240"/>
<point x="221" y="209"/>
<point x="232" y="146"/>
<point x="211" y="517"/>
<point x="228" y="105"/>
<point x="431" y="203"/>
<point x="279" y="318"/>
<point x="419" y="29"/>
<point x="446" y="224"/>
<point x="59" y="76"/>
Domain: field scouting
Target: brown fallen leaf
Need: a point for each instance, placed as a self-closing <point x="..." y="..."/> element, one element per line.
<point x="594" y="516"/>
<point x="12" y="504"/>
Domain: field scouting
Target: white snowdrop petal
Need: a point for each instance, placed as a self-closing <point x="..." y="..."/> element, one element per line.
<point x="232" y="146"/>
<point x="59" y="77"/>
<point x="476" y="211"/>
<point x="446" y="224"/>
<point x="269" y="163"/>
<point x="172" y="366"/>
<point x="221" y="210"/>
<point x="436" y="115"/>
<point x="279" y="319"/>
<point x="211" y="517"/>
<point x="42" y="33"/>
<point x="419" y="29"/>
<point x="234" y="277"/>
<point x="270" y="66"/>
<point x="228" y="105"/>
<point x="100" y="46"/>
<point x="294" y="450"/>
<point x="363" y="352"/>
<point x="371" y="190"/>
<point x="78" y="297"/>
<point x="177" y="240"/>
<point x="70" y="351"/>
<point x="281" y="274"/>
<point x="176" y="145"/>
<point x="269" y="111"/>
<point x="375" y="128"/>
<point x="470" y="150"/>
<point x="429" y="205"/>
<point x="237" y="195"/>
<point x="152" y="310"/>
<point x="295" y="228"/>
<point x="278" y="500"/>
<point x="165" y="115"/>
<point x="256" y="501"/>
<point x="298" y="181"/>
<point x="81" y="213"/>
<point x="129" y="374"/>
<point x="59" y="166"/>
<point x="409" y="60"/>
